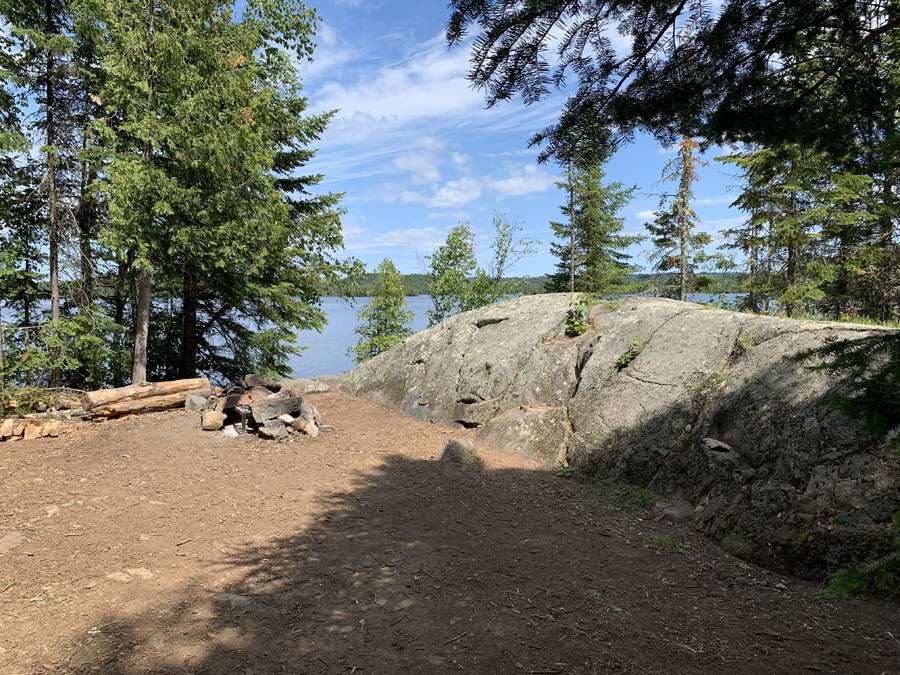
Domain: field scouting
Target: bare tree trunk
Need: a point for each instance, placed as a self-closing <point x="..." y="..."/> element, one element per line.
<point x="687" y="167"/>
<point x="791" y="272"/>
<point x="141" y="327"/>
<point x="571" y="231"/>
<point x="142" y="311"/>
<point x="188" y="361"/>
<point x="52" y="196"/>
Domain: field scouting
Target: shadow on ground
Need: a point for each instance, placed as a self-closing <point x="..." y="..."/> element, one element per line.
<point x="433" y="568"/>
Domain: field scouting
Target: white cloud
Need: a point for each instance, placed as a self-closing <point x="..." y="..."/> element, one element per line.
<point x="386" y="192"/>
<point x="456" y="215"/>
<point x="523" y="181"/>
<point x="423" y="167"/>
<point x="430" y="81"/>
<point x="327" y="35"/>
<point x="457" y="193"/>
<point x="645" y="215"/>
<point x="357" y="239"/>
<point x="713" y="200"/>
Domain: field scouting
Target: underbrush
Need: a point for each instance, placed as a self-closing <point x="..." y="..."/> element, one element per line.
<point x="629" y="499"/>
<point x="27" y="399"/>
<point x="878" y="579"/>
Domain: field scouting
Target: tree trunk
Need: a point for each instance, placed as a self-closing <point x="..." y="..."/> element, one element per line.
<point x="142" y="311"/>
<point x="188" y="359"/>
<point x="791" y="268"/>
<point x="134" y="392"/>
<point x="571" y="231"/>
<point x="84" y="215"/>
<point x="152" y="404"/>
<point x="52" y="196"/>
<point x="141" y="327"/>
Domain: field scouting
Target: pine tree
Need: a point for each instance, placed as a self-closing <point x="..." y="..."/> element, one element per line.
<point x="383" y="320"/>
<point x="206" y="117"/>
<point x="590" y="252"/>
<point x="805" y="233"/>
<point x="676" y="245"/>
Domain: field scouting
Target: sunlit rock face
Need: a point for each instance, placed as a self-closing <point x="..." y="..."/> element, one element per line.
<point x="693" y="402"/>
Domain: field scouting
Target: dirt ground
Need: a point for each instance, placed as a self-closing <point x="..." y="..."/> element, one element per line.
<point x="148" y="546"/>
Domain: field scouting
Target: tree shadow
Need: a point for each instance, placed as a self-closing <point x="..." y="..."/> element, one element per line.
<point x="430" y="567"/>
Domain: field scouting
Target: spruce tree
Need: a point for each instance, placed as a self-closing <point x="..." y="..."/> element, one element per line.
<point x="383" y="320"/>
<point x="805" y="233"/>
<point x="590" y="247"/>
<point x="677" y="246"/>
<point x="206" y="118"/>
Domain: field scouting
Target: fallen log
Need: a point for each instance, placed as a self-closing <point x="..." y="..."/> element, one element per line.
<point x="134" y="392"/>
<point x="149" y="404"/>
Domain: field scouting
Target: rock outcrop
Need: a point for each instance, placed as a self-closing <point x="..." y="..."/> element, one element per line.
<point x="694" y="402"/>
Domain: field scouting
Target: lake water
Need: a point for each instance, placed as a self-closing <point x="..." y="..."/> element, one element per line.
<point x="327" y="353"/>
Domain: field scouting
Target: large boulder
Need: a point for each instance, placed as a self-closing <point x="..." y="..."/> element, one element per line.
<point x="695" y="402"/>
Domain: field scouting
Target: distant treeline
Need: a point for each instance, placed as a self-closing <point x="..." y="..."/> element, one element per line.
<point x="416" y="284"/>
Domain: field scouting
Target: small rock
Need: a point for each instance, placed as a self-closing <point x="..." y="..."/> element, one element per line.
<point x="273" y="430"/>
<point x="41" y="407"/>
<point x="7" y="428"/>
<point x="260" y="381"/>
<point x="52" y="510"/>
<point x="32" y="431"/>
<point x="140" y="573"/>
<point x="195" y="403"/>
<point x="121" y="577"/>
<point x="718" y="446"/>
<point x="52" y="429"/>
<point x="845" y="519"/>
<point x="12" y="540"/>
<point x="234" y="601"/>
<point x="212" y="420"/>
<point x="10" y="405"/>
<point x="325" y="429"/>
<point x="287" y="419"/>
<point x="231" y="431"/>
<point x="460" y="450"/>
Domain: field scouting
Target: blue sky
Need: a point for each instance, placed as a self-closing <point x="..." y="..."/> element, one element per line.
<point x="416" y="151"/>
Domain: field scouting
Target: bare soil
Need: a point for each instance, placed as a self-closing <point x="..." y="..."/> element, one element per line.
<point x="149" y="546"/>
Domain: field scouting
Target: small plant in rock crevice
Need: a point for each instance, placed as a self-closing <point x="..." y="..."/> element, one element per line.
<point x="564" y="469"/>
<point x="577" y="320"/>
<point x="743" y="342"/>
<point x="625" y="359"/>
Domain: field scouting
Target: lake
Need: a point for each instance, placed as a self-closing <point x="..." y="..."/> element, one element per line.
<point x="327" y="353"/>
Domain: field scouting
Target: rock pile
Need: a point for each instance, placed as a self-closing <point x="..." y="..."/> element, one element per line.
<point x="273" y="410"/>
<point x="28" y="428"/>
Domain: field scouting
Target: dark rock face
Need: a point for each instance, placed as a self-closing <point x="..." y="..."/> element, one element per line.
<point x="707" y="410"/>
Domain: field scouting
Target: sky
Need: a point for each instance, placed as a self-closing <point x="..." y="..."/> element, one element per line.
<point x="415" y="150"/>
